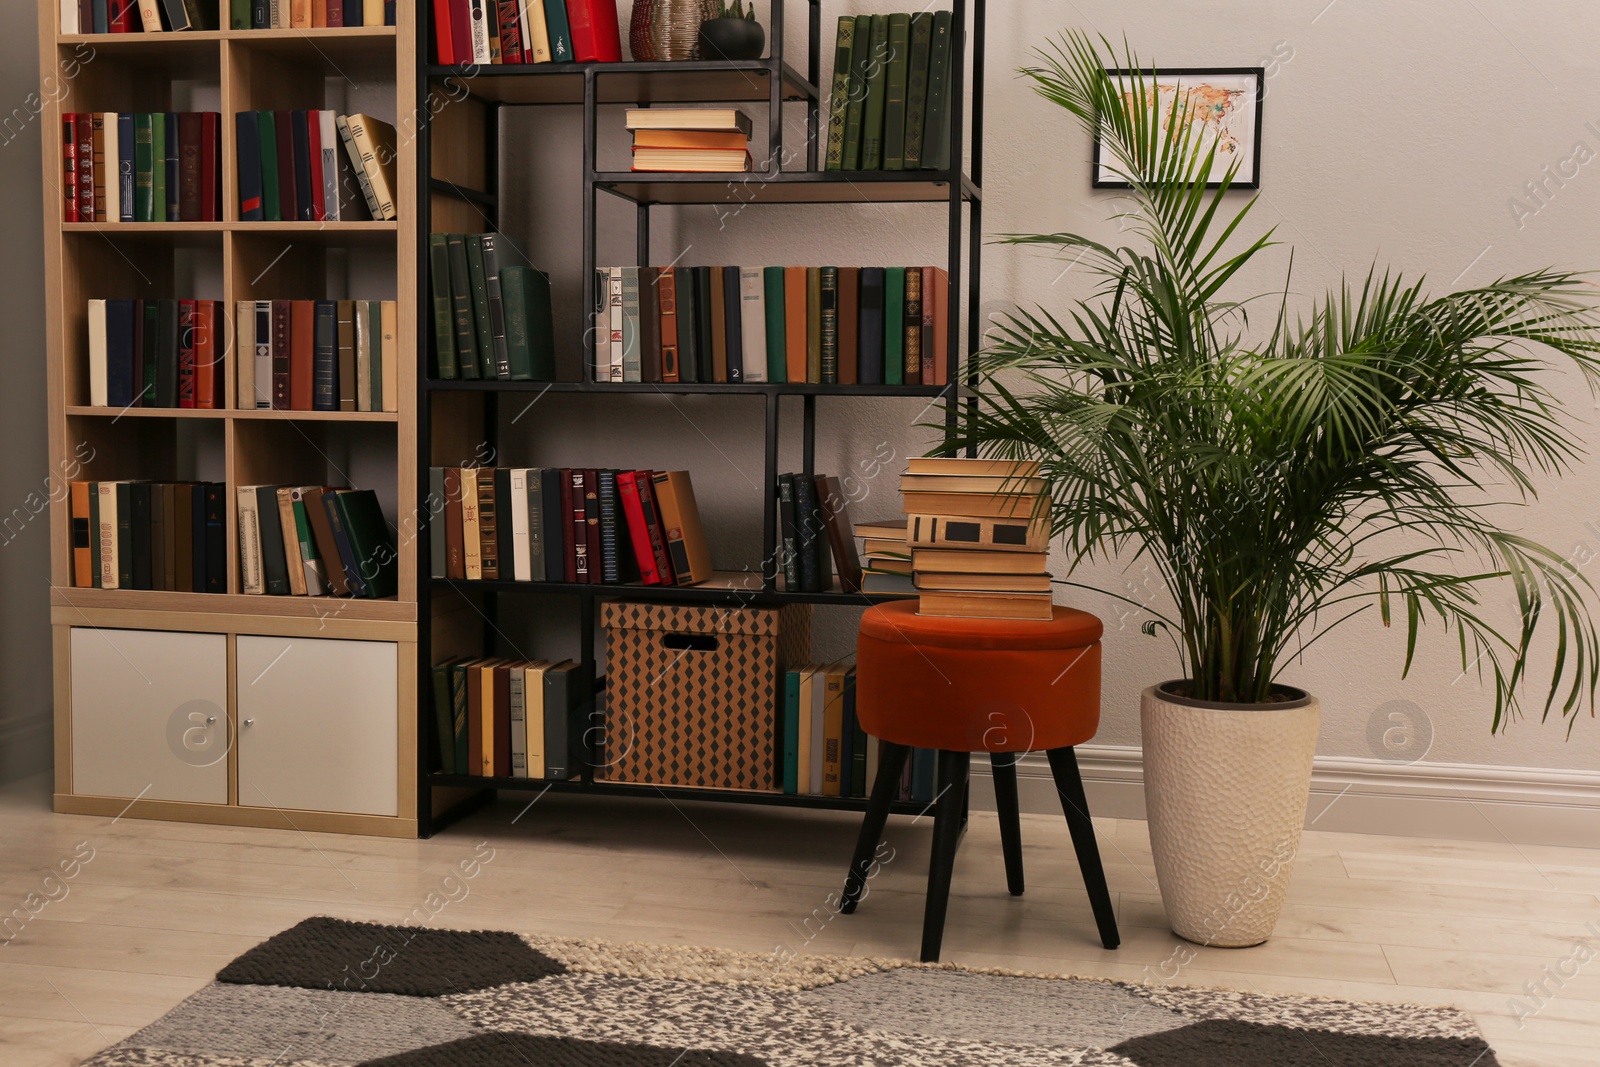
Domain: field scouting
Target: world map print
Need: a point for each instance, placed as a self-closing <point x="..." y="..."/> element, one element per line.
<point x="1222" y="109"/>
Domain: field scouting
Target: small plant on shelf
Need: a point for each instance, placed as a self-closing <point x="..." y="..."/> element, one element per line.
<point x="732" y="33"/>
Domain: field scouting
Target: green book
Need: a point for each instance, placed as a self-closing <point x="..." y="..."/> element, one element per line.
<point x="894" y="97"/>
<point x="936" y="123"/>
<point x="478" y="285"/>
<point x="444" y="322"/>
<point x="530" y="336"/>
<point x="367" y="533"/>
<point x="467" y="356"/>
<point x="894" y="332"/>
<point x="458" y="715"/>
<point x="143" y="175"/>
<point x="374" y="313"/>
<point x="158" y="166"/>
<point x="814" y="324"/>
<point x="856" y="104"/>
<point x="839" y="102"/>
<point x="777" y="350"/>
<point x="877" y="92"/>
<point x="917" y="86"/>
<point x="830" y="326"/>
<point x="445" y="738"/>
<point x="791" y="732"/>
<point x="239" y="15"/>
<point x="268" y="127"/>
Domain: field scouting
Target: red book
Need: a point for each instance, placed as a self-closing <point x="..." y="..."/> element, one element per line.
<point x="628" y="492"/>
<point x="336" y="13"/>
<point x="85" y="167"/>
<point x="189" y="166"/>
<point x="186" y="353"/>
<point x="120" y="15"/>
<point x="443" y="39"/>
<point x="461" y="29"/>
<point x="210" y="169"/>
<point x="591" y="522"/>
<point x="319" y="205"/>
<point x="595" y="34"/>
<point x="652" y="525"/>
<point x="511" y="43"/>
<point x="301" y="353"/>
<point x="69" y="164"/>
<point x="208" y="373"/>
<point x="280" y="355"/>
<point x="567" y="497"/>
<point x="283" y="125"/>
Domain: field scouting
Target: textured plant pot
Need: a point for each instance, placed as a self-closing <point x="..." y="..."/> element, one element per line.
<point x="732" y="39"/>
<point x="667" y="29"/>
<point x="1225" y="789"/>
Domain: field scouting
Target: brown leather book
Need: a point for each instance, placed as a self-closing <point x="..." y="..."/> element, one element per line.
<point x="849" y="313"/>
<point x="719" y="328"/>
<point x="281" y="399"/>
<point x="327" y="547"/>
<point x="189" y="166"/>
<point x="183" y="527"/>
<point x="681" y="530"/>
<point x="794" y="323"/>
<point x="302" y="351"/>
<point x="283" y="126"/>
<point x="591" y="522"/>
<point x="345" y="315"/>
<point x="649" y="324"/>
<point x="913" y="326"/>
<point x="83" y="555"/>
<point x="291" y="541"/>
<point x="667" y="291"/>
<point x="488" y="524"/>
<point x="836" y="514"/>
<point x="939" y="353"/>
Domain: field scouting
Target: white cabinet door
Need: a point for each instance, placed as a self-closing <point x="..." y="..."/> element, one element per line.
<point x="149" y="715"/>
<point x="318" y="724"/>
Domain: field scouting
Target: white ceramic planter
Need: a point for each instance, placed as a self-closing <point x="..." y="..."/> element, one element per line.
<point x="1225" y="789"/>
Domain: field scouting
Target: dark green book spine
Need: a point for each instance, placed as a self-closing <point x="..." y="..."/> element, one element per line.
<point x="830" y="325"/>
<point x="370" y="541"/>
<point x="124" y="535"/>
<point x="894" y="334"/>
<point x="479" y="287"/>
<point x="917" y="86"/>
<point x="239" y="17"/>
<point x="514" y="298"/>
<point x="158" y="167"/>
<point x="839" y="101"/>
<point x="894" y="99"/>
<point x="267" y="124"/>
<point x="777" y="359"/>
<point x="458" y="713"/>
<point x="856" y="104"/>
<point x="541" y="325"/>
<point x="444" y="321"/>
<point x="143" y="162"/>
<point x="461" y="307"/>
<point x="444" y="732"/>
<point x="688" y="329"/>
<point x="167" y="354"/>
<point x="877" y="91"/>
<point x="936" y="124"/>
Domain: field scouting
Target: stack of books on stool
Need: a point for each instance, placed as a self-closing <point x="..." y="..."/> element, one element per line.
<point x="979" y="532"/>
<point x="669" y="139"/>
<point x="885" y="557"/>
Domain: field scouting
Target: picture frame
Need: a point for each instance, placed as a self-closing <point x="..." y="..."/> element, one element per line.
<point x="1245" y="89"/>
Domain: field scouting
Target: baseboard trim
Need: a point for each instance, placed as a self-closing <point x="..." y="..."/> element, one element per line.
<point x="1461" y="801"/>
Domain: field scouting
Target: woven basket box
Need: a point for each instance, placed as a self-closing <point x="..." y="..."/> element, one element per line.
<point x="693" y="692"/>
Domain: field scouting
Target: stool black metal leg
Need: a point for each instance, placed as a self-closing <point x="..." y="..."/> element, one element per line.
<point x="1004" y="765"/>
<point x="953" y="768"/>
<point x="891" y="763"/>
<point x="1069" y="787"/>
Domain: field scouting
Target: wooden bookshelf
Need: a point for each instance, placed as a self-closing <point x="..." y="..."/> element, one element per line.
<point x="336" y="782"/>
<point x="459" y="163"/>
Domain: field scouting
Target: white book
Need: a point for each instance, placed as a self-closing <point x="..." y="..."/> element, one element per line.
<point x="521" y="549"/>
<point x="98" y="388"/>
<point x="347" y="136"/>
<point x="150" y="15"/>
<point x="249" y="541"/>
<point x="244" y="348"/>
<point x="106" y="536"/>
<point x="535" y="31"/>
<point x="330" y="164"/>
<point x="478" y="15"/>
<point x="69" y="16"/>
<point x="365" y="343"/>
<point x="753" y="323"/>
<point x="281" y="15"/>
<point x="533" y="688"/>
<point x="113" y="160"/>
<point x="615" y="301"/>
<point x="519" y="722"/>
<point x="263" y="350"/>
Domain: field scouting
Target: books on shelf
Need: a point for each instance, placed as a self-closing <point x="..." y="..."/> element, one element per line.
<point x="818" y="325"/>
<point x="157" y="353"/>
<point x="690" y="139"/>
<point x="314" y="166"/>
<point x="814" y="539"/>
<point x="482" y="32"/>
<point x="492" y="317"/>
<point x="141" y="167"/>
<point x="824" y="750"/>
<point x="889" y="105"/>
<point x="314" y="540"/>
<point x="533" y="524"/>
<point x="149" y="535"/>
<point x="505" y="718"/>
<point x="164" y="16"/>
<point x="317" y="355"/>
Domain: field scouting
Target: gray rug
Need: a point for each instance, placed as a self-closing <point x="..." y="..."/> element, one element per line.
<point x="329" y="993"/>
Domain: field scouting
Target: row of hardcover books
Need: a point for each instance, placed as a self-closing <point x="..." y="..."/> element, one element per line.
<point x="890" y="104"/>
<point x="824" y="325"/>
<point x="533" y="524"/>
<point x="491" y="314"/>
<point x="150" y="535"/>
<point x="165" y="16"/>
<point x="526" y="31"/>
<point x="814" y="524"/>
<point x="308" y="14"/>
<point x="505" y="718"/>
<point x="825" y="751"/>
<point x="291" y="169"/>
<point x="157" y="353"/>
<point x="314" y="540"/>
<point x="141" y="166"/>
<point x="318" y="355"/>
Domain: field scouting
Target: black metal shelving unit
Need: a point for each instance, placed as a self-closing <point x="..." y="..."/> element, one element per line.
<point x="777" y="83"/>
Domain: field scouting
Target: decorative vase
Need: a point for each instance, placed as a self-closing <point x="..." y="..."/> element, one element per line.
<point x="1225" y="788"/>
<point x="732" y="39"/>
<point x="667" y="29"/>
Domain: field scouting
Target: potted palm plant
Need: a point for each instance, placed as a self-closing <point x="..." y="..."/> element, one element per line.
<point x="1279" y="474"/>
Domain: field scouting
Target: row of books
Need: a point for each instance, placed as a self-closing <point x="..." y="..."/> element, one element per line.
<point x="814" y="525"/>
<point x="532" y="524"/>
<point x="825" y="752"/>
<point x="165" y="16"/>
<point x="825" y="325"/>
<point x="690" y="139"/>
<point x="150" y="535"/>
<point x="890" y="103"/>
<point x="291" y="169"/>
<point x="308" y="14"/>
<point x="141" y="166"/>
<point x="505" y="718"/>
<point x="318" y="355"/>
<point x="491" y="315"/>
<point x="482" y="32"/>
<point x="156" y="353"/>
<point x="314" y="540"/>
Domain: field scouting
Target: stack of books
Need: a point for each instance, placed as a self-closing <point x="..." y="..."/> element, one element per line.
<point x="480" y="32"/>
<point x="885" y="557"/>
<point x="814" y="524"/>
<point x="318" y="355"/>
<point x="491" y="311"/>
<point x="890" y="104"/>
<point x="690" y="139"/>
<point x="503" y="718"/>
<point x="314" y="540"/>
<point x="291" y="169"/>
<point x="156" y="353"/>
<point x="150" y="535"/>
<point x="979" y="533"/>
<point x="141" y="167"/>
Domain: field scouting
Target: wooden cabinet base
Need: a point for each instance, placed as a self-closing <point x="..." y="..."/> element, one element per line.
<point x="226" y="815"/>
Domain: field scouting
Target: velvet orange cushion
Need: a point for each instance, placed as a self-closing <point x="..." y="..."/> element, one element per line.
<point x="978" y="685"/>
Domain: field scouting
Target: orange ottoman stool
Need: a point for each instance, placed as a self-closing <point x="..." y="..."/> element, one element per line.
<point x="960" y="686"/>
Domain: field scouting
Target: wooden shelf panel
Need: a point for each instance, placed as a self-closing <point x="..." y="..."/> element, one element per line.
<point x="673" y="792"/>
<point x="722" y="587"/>
<point x="316" y="33"/>
<point x="114" y="414"/>
<point x="350" y="609"/>
<point x="358" y="54"/>
<point x="705" y="388"/>
<point x="688" y="82"/>
<point x="787" y="187"/>
<point x="150" y="229"/>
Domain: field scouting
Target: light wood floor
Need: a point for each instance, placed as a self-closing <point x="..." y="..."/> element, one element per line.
<point x="161" y="906"/>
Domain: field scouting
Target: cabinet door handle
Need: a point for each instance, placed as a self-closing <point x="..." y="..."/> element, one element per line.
<point x="249" y="722"/>
<point x="210" y="719"/>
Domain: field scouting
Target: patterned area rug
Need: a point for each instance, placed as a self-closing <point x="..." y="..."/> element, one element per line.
<point x="330" y="993"/>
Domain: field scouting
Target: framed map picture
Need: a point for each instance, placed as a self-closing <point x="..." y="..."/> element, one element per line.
<point x="1223" y="102"/>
